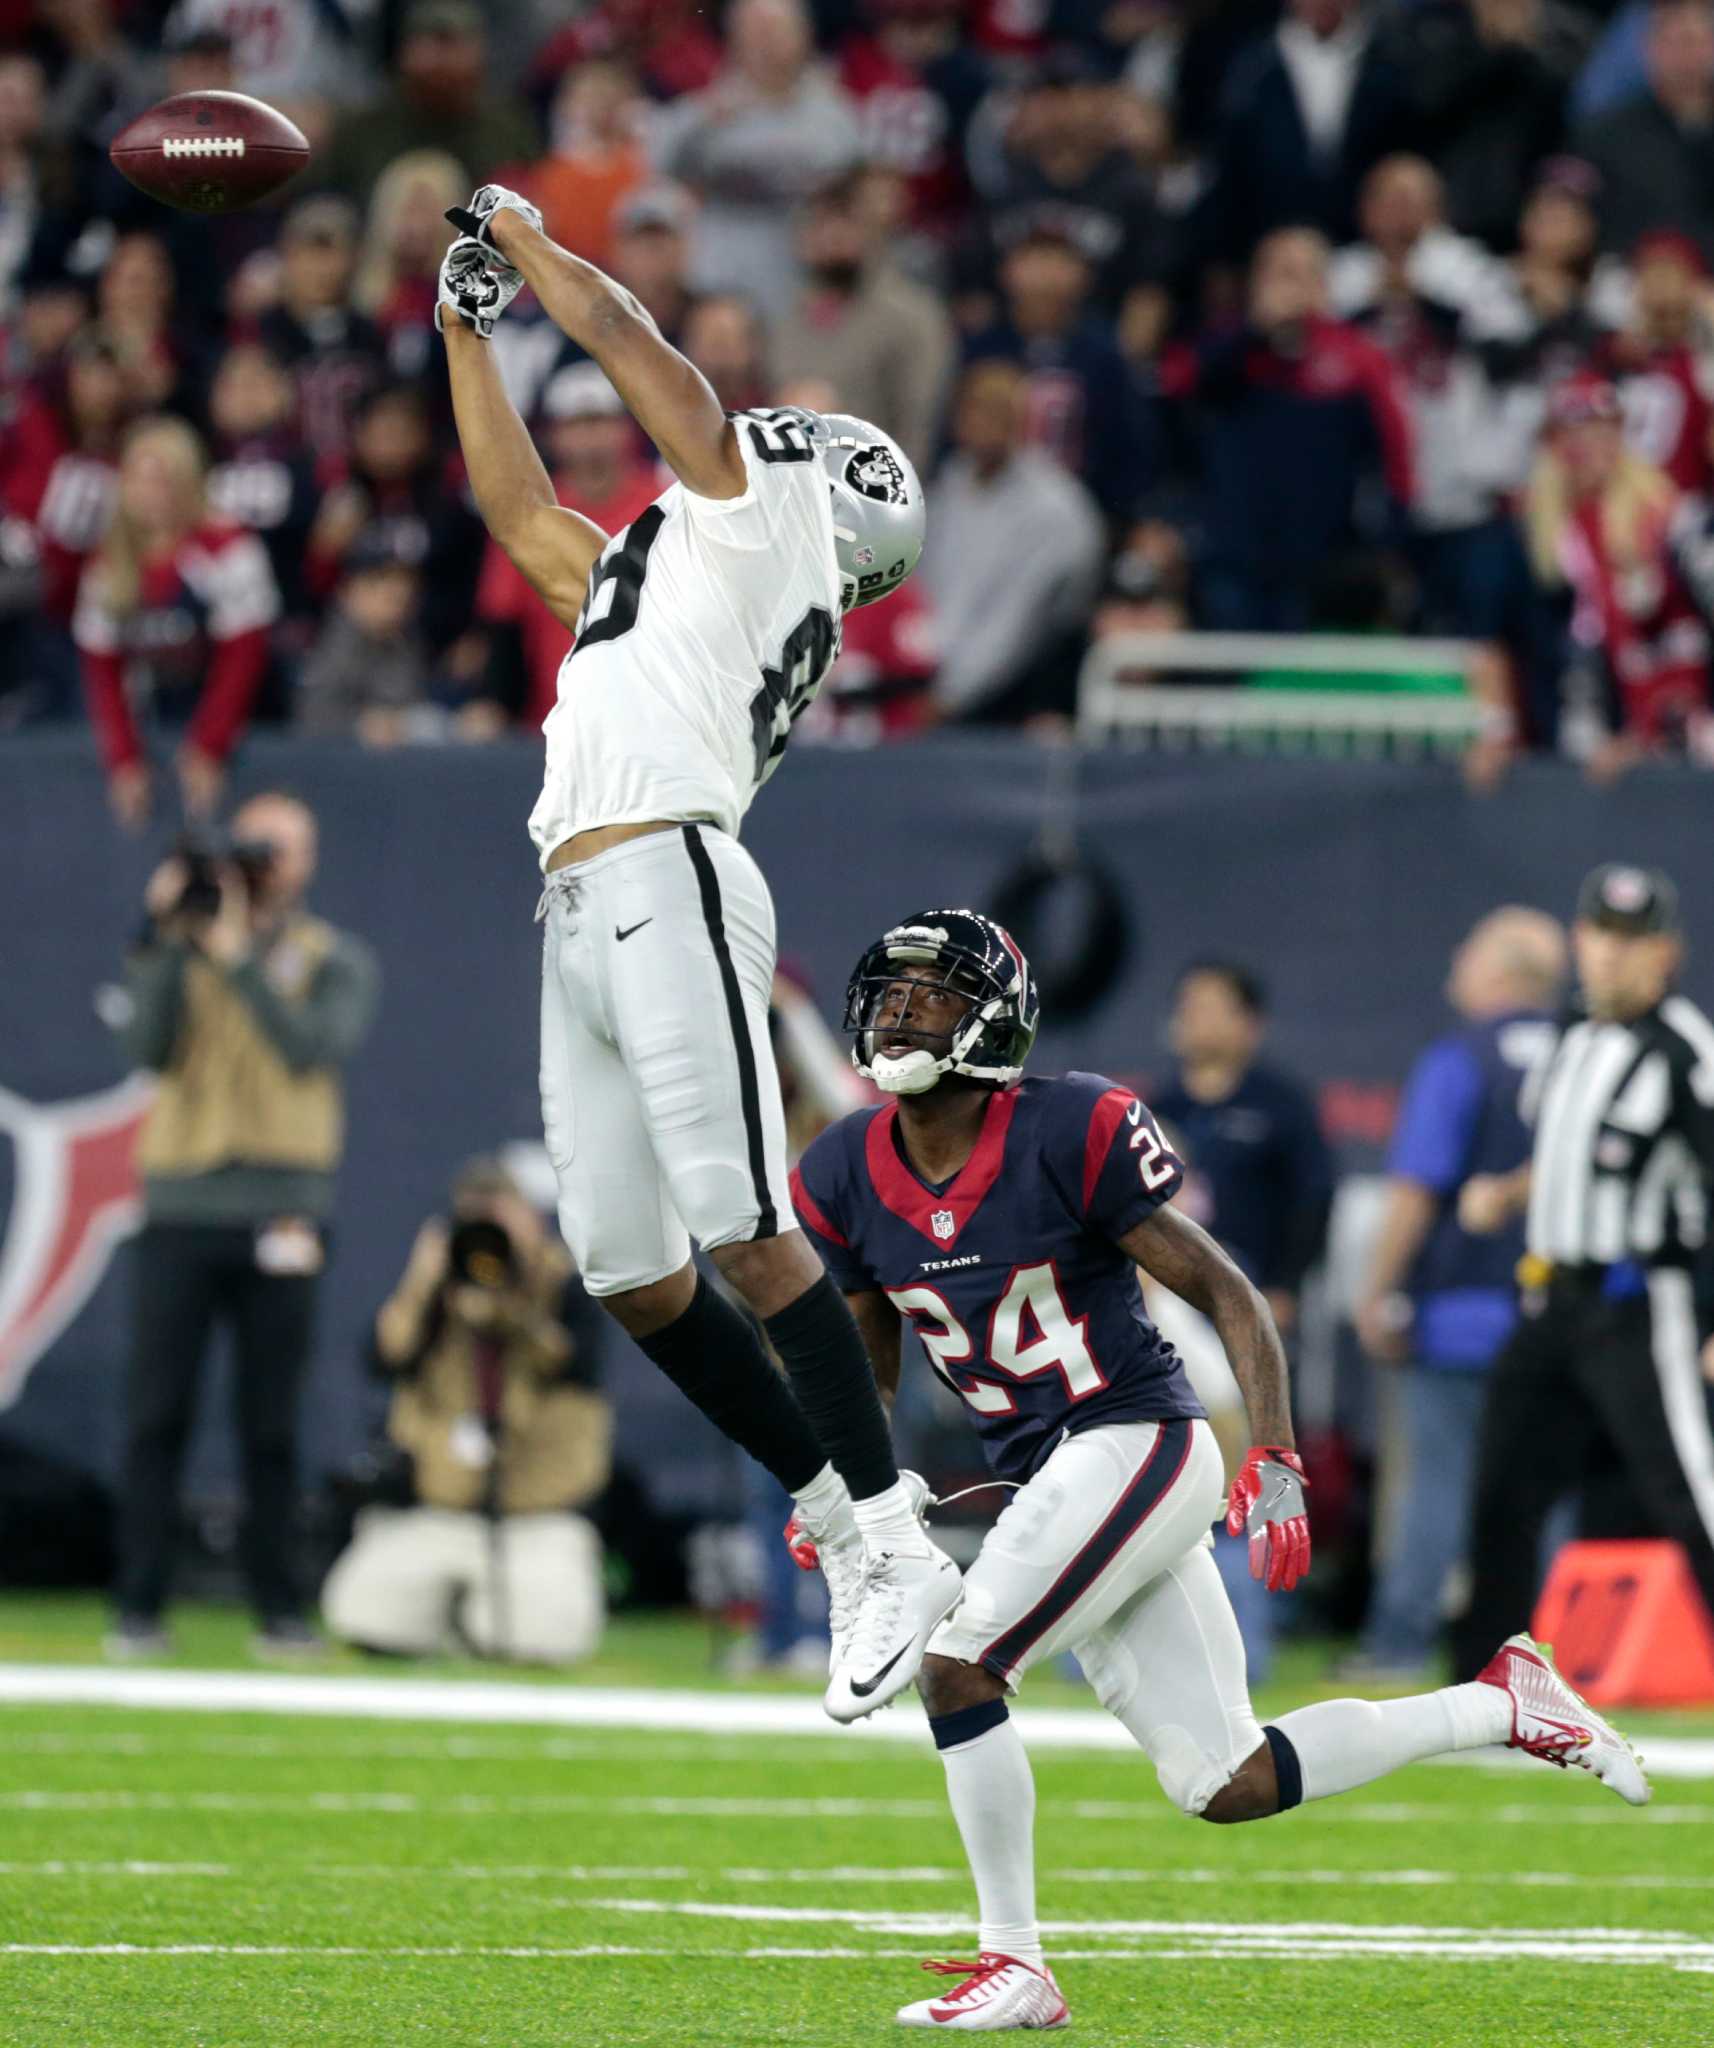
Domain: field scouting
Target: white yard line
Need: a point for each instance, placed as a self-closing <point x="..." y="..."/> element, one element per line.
<point x="635" y="1708"/>
<point x="858" y="1873"/>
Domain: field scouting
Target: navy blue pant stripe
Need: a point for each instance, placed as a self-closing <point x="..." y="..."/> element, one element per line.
<point x="749" y="1092"/>
<point x="1132" y="1509"/>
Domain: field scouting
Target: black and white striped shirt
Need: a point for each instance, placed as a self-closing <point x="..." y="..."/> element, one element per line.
<point x="1624" y="1140"/>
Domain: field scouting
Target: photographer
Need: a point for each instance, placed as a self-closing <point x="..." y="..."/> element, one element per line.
<point x="498" y="1411"/>
<point x="246" y="1006"/>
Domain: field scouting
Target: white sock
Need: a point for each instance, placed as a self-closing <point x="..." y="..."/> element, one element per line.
<point x="993" y="1795"/>
<point x="1342" y="1744"/>
<point x="889" y="1523"/>
<point x="826" y="1506"/>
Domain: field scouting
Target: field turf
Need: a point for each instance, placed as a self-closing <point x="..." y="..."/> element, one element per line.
<point x="199" y="1880"/>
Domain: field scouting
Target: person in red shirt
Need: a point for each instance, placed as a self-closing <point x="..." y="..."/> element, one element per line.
<point x="172" y="620"/>
<point x="915" y="80"/>
<point x="668" y="43"/>
<point x="591" y="455"/>
<point x="1600" y="529"/>
<point x="1654" y="362"/>
<point x="58" y="462"/>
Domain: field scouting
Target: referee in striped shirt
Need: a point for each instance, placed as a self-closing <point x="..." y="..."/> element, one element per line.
<point x="1616" y="1199"/>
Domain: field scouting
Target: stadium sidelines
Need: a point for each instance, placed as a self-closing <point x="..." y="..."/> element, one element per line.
<point x="628" y="1708"/>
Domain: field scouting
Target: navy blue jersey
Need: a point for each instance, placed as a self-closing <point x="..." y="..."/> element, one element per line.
<point x="1010" y="1272"/>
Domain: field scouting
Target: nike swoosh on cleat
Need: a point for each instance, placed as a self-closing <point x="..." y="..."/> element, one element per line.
<point x="863" y="1687"/>
<point x="630" y="928"/>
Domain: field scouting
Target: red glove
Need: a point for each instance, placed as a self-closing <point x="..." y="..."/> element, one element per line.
<point x="1267" y="1504"/>
<point x="801" y="1543"/>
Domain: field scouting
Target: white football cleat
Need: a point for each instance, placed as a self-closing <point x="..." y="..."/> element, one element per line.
<point x="840" y="1563"/>
<point x="1551" y="1721"/>
<point x="998" y="1993"/>
<point x="900" y="1602"/>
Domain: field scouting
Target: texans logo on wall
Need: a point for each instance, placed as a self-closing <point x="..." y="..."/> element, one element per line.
<point x="75" y="1197"/>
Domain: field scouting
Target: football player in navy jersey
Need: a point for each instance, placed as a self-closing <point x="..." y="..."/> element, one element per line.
<point x="1006" y="1219"/>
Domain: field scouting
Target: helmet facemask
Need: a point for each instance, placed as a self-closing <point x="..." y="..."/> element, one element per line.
<point x="989" y="1042"/>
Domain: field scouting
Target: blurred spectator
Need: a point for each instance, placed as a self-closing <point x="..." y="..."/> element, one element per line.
<point x="1013" y="562"/>
<point x="22" y="122"/>
<point x="1148" y="582"/>
<point x="499" y="1412"/>
<point x="172" y="622"/>
<point x="440" y="99"/>
<point x="397" y="485"/>
<point x="879" y="687"/>
<point x="134" y="311"/>
<point x="245" y="1007"/>
<point x="914" y="82"/>
<point x="101" y="74"/>
<point x="589" y="446"/>
<point x="1084" y="406"/>
<point x="651" y="252"/>
<point x="1534" y="322"/>
<point x="1247" y="1132"/>
<point x="1488" y="81"/>
<point x="263" y="477"/>
<point x="884" y="343"/>
<point x="295" y="54"/>
<point x="1305" y="115"/>
<point x="1600" y="520"/>
<point x="1658" y="361"/>
<point x="1437" y="1304"/>
<point x="723" y="337"/>
<point x="58" y="472"/>
<point x="595" y="156"/>
<point x="366" y="673"/>
<point x="770" y="129"/>
<point x="333" y="352"/>
<point x="1295" y="409"/>
<point x="405" y="237"/>
<point x="53" y="302"/>
<point x="669" y="44"/>
<point x="1057" y="159"/>
<point x="1655" y="153"/>
<point x="1407" y="286"/>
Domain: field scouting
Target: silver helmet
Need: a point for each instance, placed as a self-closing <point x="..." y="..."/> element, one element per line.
<point x="878" y="514"/>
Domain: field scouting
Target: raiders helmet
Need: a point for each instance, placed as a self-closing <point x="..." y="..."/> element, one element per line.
<point x="971" y="954"/>
<point x="877" y="506"/>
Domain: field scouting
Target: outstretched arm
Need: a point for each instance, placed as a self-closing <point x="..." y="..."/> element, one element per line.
<point x="554" y="549"/>
<point x="666" y="394"/>
<point x="1181" y="1255"/>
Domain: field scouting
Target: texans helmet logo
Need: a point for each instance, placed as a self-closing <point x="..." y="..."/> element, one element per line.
<point x="874" y="473"/>
<point x="75" y="1197"/>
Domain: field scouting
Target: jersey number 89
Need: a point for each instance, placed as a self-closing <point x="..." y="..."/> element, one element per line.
<point x="1060" y="1343"/>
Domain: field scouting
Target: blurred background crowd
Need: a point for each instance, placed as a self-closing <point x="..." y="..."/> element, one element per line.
<point x="1193" y="313"/>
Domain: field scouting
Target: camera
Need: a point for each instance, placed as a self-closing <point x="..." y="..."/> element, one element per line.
<point x="203" y="860"/>
<point x="479" y="1253"/>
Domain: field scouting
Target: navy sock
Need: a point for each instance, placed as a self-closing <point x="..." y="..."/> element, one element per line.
<point x="824" y="1358"/>
<point x="966" y="1723"/>
<point x="714" y="1357"/>
<point x="1288" y="1772"/>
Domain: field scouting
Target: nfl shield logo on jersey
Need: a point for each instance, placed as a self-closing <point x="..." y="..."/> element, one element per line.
<point x="944" y="1223"/>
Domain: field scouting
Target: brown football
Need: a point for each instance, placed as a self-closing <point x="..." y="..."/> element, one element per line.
<point x="210" y="152"/>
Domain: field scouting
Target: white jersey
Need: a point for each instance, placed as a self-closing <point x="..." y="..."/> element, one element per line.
<point x="709" y="626"/>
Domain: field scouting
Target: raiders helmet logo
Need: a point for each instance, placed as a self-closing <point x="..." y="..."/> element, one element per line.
<point x="874" y="473"/>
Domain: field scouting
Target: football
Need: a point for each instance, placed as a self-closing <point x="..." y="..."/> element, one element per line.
<point x="210" y="152"/>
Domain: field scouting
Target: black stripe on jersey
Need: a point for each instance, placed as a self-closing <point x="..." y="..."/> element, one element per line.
<point x="1133" y="1508"/>
<point x="749" y="1094"/>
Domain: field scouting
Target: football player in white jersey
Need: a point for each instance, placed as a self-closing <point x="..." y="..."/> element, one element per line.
<point x="703" y="630"/>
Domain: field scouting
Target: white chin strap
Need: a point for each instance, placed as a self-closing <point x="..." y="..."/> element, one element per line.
<point x="906" y="1073"/>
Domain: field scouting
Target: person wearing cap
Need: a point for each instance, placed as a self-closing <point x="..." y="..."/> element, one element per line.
<point x="651" y="252"/>
<point x="1655" y="153"/>
<point x="1615" y="1199"/>
<point x="440" y="98"/>
<point x="591" y="451"/>
<point x="1635" y="676"/>
<point x="1656" y="361"/>
<point x="334" y="353"/>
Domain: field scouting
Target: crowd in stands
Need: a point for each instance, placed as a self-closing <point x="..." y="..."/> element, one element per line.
<point x="1209" y="313"/>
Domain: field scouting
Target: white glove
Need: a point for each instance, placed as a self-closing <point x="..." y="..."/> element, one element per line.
<point x="475" y="287"/>
<point x="487" y="200"/>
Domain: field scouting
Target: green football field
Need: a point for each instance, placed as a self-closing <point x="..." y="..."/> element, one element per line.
<point x="199" y="1879"/>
